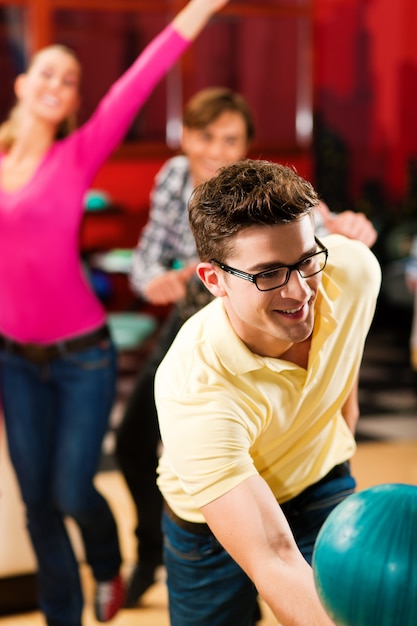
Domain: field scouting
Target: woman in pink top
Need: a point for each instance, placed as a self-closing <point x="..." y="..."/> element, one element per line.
<point x="57" y="361"/>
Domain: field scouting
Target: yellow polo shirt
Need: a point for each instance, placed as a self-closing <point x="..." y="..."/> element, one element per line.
<point x="226" y="413"/>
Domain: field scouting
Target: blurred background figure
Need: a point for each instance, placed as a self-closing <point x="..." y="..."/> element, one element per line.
<point x="217" y="130"/>
<point x="411" y="282"/>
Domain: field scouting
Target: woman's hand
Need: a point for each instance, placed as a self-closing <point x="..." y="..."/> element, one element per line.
<point x="348" y="223"/>
<point x="194" y="16"/>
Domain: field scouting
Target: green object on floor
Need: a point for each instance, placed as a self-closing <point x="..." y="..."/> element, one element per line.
<point x="118" y="260"/>
<point x="130" y="330"/>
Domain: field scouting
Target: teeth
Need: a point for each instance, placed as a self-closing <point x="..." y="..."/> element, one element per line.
<point x="51" y="100"/>
<point x="290" y="311"/>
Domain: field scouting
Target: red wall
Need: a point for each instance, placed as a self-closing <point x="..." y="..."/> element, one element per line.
<point x="366" y="86"/>
<point x="129" y="181"/>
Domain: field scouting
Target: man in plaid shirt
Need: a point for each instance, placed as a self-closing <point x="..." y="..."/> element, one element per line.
<point x="217" y="131"/>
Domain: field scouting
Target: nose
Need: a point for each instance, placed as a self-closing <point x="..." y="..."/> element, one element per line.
<point x="215" y="150"/>
<point x="296" y="287"/>
<point x="54" y="83"/>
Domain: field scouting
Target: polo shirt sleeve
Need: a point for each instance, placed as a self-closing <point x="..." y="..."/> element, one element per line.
<point x="209" y="413"/>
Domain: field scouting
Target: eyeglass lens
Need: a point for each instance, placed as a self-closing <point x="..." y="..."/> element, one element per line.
<point x="278" y="277"/>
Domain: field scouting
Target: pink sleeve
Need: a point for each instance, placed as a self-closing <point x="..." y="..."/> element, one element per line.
<point x="101" y="134"/>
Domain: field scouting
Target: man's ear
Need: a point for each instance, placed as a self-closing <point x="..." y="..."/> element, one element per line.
<point x="184" y="139"/>
<point x="209" y="275"/>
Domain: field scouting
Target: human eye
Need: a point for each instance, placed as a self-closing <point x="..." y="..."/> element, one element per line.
<point x="307" y="262"/>
<point x="271" y="273"/>
<point x="273" y="276"/>
<point x="70" y="81"/>
<point x="310" y="265"/>
<point x="204" y="136"/>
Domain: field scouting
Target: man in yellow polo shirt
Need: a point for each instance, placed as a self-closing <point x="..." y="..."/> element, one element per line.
<point x="257" y="400"/>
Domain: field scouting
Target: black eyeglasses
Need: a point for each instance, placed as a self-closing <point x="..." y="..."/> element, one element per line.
<point x="279" y="276"/>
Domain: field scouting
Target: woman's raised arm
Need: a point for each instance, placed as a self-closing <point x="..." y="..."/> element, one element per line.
<point x="194" y="16"/>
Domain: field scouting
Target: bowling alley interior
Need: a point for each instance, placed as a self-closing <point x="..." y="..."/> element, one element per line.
<point x="331" y="99"/>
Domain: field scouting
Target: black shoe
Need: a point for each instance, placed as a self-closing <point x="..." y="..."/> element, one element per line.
<point x="142" y="577"/>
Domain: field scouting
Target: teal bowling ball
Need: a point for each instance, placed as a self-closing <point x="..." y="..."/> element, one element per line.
<point x="365" y="558"/>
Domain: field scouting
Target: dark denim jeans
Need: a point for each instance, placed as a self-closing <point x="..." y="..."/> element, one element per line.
<point x="56" y="416"/>
<point x="206" y="587"/>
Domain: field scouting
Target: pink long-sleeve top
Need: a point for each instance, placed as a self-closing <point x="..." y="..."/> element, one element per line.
<point x="44" y="293"/>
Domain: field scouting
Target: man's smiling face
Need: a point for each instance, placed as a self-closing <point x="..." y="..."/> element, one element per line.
<point x="270" y="322"/>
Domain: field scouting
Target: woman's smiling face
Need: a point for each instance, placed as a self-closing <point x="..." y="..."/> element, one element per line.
<point x="50" y="89"/>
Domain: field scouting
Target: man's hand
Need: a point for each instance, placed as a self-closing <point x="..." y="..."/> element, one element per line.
<point x="170" y="287"/>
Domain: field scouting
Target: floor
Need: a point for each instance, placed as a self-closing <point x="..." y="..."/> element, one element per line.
<point x="387" y="452"/>
<point x="388" y="385"/>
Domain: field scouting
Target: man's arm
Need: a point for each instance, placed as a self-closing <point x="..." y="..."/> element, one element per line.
<point x="251" y="526"/>
<point x="151" y="273"/>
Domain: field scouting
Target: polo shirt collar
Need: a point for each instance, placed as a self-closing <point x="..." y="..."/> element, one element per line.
<point x="236" y="356"/>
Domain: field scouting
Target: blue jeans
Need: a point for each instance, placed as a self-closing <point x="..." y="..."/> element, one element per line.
<point x="56" y="416"/>
<point x="206" y="587"/>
